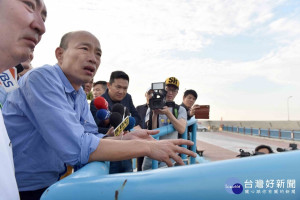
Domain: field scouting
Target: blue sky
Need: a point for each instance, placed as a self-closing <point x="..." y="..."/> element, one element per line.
<point x="242" y="57"/>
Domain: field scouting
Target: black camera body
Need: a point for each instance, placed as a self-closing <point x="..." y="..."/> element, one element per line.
<point x="158" y="99"/>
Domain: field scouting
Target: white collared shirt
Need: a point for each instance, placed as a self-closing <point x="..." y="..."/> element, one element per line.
<point x="8" y="184"/>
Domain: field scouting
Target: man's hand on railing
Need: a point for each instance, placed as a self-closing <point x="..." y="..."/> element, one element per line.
<point x="140" y="134"/>
<point x="165" y="150"/>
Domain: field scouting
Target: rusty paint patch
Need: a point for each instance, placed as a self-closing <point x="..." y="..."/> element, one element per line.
<point x="121" y="189"/>
<point x="124" y="183"/>
<point x="116" y="195"/>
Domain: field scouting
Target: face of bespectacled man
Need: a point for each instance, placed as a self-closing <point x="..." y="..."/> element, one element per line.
<point x="171" y="92"/>
<point x="24" y="22"/>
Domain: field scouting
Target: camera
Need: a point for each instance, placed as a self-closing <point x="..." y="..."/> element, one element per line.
<point x="158" y="99"/>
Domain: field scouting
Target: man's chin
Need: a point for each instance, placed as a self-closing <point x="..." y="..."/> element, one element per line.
<point x="23" y="56"/>
<point x="119" y="98"/>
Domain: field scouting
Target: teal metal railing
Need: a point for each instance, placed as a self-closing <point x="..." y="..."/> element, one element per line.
<point x="169" y="129"/>
<point x="213" y="180"/>
<point x="271" y="133"/>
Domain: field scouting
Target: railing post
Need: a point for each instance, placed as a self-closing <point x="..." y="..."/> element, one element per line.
<point x="155" y="162"/>
<point x="194" y="137"/>
<point x="184" y="136"/>
<point x="279" y="134"/>
<point x="251" y="131"/>
<point x="244" y="130"/>
<point x="268" y="132"/>
<point x="259" y="132"/>
<point x="292" y="135"/>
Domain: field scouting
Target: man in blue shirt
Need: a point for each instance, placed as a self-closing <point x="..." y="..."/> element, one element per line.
<point x="50" y="125"/>
<point x="22" y="26"/>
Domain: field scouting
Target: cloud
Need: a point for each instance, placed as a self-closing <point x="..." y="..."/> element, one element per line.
<point x="289" y="27"/>
<point x="282" y="65"/>
<point x="152" y="40"/>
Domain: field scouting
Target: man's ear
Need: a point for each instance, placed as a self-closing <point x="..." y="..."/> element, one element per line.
<point x="108" y="85"/>
<point x="59" y="52"/>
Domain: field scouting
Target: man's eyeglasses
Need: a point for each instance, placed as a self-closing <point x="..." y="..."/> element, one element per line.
<point x="173" y="90"/>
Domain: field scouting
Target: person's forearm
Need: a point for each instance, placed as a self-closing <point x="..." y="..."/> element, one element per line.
<point x="179" y="124"/>
<point x="114" y="150"/>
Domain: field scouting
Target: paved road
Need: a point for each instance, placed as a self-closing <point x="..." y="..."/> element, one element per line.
<point x="226" y="145"/>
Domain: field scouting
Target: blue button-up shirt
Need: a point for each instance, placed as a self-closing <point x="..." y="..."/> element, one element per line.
<point x="49" y="124"/>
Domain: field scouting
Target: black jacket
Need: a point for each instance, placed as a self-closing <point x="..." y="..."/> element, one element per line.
<point x="142" y="109"/>
<point x="126" y="101"/>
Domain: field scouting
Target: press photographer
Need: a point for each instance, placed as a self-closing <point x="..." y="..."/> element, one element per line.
<point x="163" y="111"/>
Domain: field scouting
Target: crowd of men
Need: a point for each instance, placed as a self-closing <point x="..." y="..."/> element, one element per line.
<point x="47" y="123"/>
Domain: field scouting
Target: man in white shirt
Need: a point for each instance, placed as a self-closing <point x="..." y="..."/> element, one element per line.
<point x="22" y="26"/>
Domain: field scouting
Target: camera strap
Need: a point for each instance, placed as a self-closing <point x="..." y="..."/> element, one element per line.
<point x="176" y="110"/>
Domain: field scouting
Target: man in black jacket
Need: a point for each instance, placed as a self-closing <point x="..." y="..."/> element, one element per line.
<point x="117" y="93"/>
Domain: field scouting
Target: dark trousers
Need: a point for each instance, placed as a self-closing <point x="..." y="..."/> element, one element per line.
<point x="140" y="161"/>
<point x="32" y="195"/>
<point x="120" y="166"/>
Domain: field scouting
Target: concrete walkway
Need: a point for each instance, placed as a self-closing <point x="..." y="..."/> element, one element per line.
<point x="226" y="145"/>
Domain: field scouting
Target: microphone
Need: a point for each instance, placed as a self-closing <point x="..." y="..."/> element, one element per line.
<point x="120" y="109"/>
<point x="103" y="114"/>
<point x="101" y="103"/>
<point x="115" y="119"/>
<point x="131" y="124"/>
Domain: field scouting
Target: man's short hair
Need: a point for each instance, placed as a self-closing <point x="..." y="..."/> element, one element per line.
<point x="192" y="92"/>
<point x="65" y="40"/>
<point x="103" y="83"/>
<point x="118" y="74"/>
<point x="264" y="147"/>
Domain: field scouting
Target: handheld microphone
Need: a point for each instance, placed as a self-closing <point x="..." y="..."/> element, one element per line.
<point x="120" y="109"/>
<point x="101" y="103"/>
<point x="120" y="128"/>
<point x="115" y="119"/>
<point x="131" y="124"/>
<point x="103" y="114"/>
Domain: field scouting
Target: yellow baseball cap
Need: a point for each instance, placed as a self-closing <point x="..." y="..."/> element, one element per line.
<point x="172" y="81"/>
